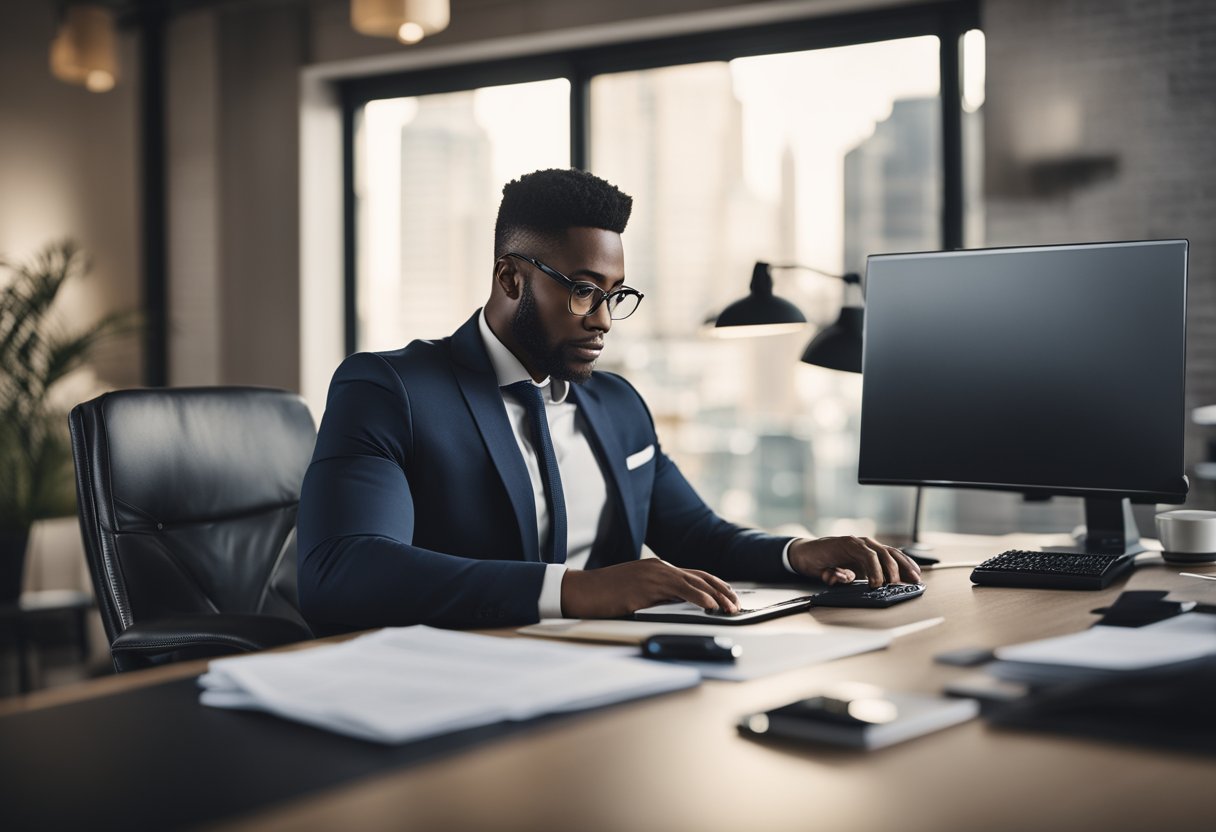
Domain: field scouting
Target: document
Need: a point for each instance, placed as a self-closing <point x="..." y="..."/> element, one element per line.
<point x="409" y="683"/>
<point x="764" y="651"/>
<point x="1102" y="650"/>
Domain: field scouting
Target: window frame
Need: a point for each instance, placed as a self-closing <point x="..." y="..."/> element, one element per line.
<point x="946" y="20"/>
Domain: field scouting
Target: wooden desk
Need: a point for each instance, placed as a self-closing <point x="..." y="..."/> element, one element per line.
<point x="675" y="762"/>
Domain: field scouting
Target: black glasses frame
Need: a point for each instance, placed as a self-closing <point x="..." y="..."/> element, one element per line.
<point x="573" y="286"/>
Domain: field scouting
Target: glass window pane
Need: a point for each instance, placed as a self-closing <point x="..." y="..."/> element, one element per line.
<point x="429" y="172"/>
<point x="973" y="88"/>
<point x="817" y="158"/>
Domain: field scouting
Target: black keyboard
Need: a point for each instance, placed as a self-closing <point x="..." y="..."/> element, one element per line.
<point x="860" y="594"/>
<point x="1051" y="570"/>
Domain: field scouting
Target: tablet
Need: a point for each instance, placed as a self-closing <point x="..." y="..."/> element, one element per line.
<point x="755" y="605"/>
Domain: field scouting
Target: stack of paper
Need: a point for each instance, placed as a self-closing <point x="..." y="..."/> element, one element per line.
<point x="1102" y="651"/>
<point x="403" y="684"/>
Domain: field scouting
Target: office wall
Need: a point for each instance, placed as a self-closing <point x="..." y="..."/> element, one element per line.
<point x="68" y="168"/>
<point x="192" y="151"/>
<point x="1099" y="123"/>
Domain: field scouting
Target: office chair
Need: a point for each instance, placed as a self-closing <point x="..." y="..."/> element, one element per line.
<point x="187" y="501"/>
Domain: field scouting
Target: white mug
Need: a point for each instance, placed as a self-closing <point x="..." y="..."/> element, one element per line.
<point x="1187" y="535"/>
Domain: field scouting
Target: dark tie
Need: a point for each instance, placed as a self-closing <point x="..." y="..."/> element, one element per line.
<point x="531" y="397"/>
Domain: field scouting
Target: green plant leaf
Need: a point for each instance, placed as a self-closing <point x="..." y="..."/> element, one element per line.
<point x="37" y="352"/>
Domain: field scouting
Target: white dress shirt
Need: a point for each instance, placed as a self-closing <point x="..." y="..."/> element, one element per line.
<point x="586" y="492"/>
<point x="583" y="484"/>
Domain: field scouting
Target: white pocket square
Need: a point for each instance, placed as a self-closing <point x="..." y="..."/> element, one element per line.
<point x="640" y="458"/>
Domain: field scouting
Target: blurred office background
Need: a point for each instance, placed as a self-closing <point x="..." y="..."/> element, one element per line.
<point x="273" y="189"/>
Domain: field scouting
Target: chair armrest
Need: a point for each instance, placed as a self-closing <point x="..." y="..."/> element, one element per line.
<point x="199" y="636"/>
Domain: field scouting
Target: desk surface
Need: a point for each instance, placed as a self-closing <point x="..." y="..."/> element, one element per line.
<point x="676" y="761"/>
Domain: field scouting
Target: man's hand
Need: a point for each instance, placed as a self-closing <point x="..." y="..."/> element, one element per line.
<point x="626" y="587"/>
<point x="837" y="560"/>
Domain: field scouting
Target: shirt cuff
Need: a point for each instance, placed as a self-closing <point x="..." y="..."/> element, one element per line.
<point x="551" y="591"/>
<point x="785" y="556"/>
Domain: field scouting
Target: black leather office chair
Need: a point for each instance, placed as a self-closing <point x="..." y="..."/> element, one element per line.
<point x="187" y="502"/>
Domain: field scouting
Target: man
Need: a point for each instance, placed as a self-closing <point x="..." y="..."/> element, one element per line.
<point x="491" y="478"/>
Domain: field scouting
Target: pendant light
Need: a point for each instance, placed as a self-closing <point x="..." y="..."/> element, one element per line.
<point x="409" y="21"/>
<point x="84" y="50"/>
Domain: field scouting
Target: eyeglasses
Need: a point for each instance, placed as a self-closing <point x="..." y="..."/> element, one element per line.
<point x="585" y="298"/>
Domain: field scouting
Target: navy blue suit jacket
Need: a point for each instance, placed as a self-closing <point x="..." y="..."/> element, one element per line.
<point x="417" y="507"/>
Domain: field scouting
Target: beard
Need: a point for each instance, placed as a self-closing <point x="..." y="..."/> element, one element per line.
<point x="531" y="336"/>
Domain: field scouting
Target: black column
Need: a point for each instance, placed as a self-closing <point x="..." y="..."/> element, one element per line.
<point x="153" y="188"/>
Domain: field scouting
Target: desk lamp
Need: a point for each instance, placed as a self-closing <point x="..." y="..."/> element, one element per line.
<point x="836" y="347"/>
<point x="761" y="312"/>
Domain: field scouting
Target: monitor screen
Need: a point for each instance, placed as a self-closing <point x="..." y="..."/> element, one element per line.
<point x="1046" y="370"/>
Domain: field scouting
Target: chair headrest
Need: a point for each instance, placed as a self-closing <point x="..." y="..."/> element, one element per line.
<point x="189" y="454"/>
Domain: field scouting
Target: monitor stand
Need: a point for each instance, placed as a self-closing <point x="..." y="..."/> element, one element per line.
<point x="1110" y="528"/>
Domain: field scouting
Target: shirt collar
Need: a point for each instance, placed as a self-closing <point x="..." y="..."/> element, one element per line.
<point x="510" y="369"/>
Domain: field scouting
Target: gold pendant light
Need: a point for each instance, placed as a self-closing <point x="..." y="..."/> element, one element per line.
<point x="409" y="21"/>
<point x="84" y="50"/>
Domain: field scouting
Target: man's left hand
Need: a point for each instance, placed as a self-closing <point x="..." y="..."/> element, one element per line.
<point x="837" y="560"/>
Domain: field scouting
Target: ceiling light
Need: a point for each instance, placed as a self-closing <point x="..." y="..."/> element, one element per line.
<point x="84" y="50"/>
<point x="409" y="21"/>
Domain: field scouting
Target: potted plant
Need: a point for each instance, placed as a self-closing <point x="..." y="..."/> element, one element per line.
<point x="37" y="352"/>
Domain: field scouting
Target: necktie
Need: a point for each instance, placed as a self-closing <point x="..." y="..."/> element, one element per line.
<point x="531" y="397"/>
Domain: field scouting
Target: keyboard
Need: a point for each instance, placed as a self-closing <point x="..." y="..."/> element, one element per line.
<point x="860" y="594"/>
<point x="1051" y="570"/>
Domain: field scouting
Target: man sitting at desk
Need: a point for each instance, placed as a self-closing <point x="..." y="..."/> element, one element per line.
<point x="492" y="478"/>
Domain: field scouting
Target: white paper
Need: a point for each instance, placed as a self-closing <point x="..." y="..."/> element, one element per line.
<point x="403" y="684"/>
<point x="1179" y="639"/>
<point x="771" y="650"/>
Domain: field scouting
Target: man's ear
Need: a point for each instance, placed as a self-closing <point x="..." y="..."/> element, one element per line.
<point x="508" y="278"/>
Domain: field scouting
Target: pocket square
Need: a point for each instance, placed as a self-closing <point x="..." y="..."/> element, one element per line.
<point x="640" y="458"/>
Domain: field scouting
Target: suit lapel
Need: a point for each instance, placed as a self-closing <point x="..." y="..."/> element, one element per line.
<point x="612" y="458"/>
<point x="479" y="386"/>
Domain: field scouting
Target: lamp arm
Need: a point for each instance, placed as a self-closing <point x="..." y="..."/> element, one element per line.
<point x="849" y="277"/>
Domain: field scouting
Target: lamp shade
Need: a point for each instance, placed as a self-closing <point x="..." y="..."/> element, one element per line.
<point x="409" y="21"/>
<point x="84" y="50"/>
<point x="761" y="312"/>
<point x="838" y="347"/>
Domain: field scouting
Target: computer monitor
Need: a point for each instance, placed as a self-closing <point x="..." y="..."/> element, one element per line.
<point x="1047" y="370"/>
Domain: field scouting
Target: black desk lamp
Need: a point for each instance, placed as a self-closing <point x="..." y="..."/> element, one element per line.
<point x="837" y="347"/>
<point x="761" y="312"/>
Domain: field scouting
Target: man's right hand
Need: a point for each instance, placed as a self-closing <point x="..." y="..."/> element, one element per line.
<point x="619" y="590"/>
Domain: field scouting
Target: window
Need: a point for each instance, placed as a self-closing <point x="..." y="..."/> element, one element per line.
<point x="429" y="172"/>
<point x="817" y="157"/>
<point x="815" y="143"/>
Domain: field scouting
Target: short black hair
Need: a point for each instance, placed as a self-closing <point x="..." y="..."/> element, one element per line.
<point x="550" y="201"/>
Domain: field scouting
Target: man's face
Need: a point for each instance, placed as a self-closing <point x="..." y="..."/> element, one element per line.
<point x="557" y="343"/>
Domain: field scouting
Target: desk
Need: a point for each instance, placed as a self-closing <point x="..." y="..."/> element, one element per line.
<point x="675" y="762"/>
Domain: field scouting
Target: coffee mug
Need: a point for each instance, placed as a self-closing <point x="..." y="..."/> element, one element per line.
<point x="1187" y="535"/>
